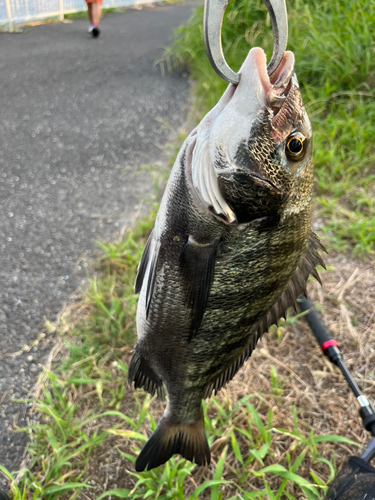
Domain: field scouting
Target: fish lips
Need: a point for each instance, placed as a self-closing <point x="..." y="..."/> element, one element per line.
<point x="256" y="95"/>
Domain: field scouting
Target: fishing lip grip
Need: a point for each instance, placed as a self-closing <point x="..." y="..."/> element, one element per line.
<point x="213" y="19"/>
<point x="330" y="348"/>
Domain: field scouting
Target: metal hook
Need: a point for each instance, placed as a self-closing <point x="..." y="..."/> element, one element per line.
<point x="213" y="18"/>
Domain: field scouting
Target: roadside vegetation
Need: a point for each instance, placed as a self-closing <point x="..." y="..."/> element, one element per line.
<point x="281" y="428"/>
<point x="334" y="47"/>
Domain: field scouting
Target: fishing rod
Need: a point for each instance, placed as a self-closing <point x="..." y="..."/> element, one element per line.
<point x="331" y="349"/>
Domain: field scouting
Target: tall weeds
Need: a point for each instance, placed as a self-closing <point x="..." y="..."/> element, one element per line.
<point x="333" y="42"/>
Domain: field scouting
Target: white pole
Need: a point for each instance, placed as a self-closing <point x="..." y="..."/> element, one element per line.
<point x="9" y="14"/>
<point x="61" y="8"/>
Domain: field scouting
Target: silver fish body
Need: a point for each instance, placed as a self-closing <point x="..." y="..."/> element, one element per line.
<point x="231" y="249"/>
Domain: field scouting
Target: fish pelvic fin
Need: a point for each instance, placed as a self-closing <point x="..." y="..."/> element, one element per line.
<point x="198" y="266"/>
<point x="143" y="264"/>
<point x="169" y="438"/>
<point x="144" y="377"/>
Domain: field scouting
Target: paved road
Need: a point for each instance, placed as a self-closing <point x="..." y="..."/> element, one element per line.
<point x="78" y="117"/>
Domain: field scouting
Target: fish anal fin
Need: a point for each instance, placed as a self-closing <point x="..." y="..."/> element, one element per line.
<point x="144" y="377"/>
<point x="198" y="266"/>
<point x="169" y="438"/>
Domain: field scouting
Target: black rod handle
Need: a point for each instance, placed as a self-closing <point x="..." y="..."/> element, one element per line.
<point x="316" y="323"/>
<point x="331" y="350"/>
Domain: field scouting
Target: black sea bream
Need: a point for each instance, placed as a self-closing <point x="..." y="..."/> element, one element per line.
<point x="231" y="249"/>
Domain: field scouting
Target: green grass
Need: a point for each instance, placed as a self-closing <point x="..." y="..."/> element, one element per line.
<point x="335" y="63"/>
<point x="248" y="446"/>
<point x="62" y="444"/>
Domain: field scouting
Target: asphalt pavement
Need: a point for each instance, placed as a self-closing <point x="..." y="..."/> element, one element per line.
<point x="78" y="119"/>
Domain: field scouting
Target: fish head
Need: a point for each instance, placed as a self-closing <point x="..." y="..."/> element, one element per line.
<point x="258" y="142"/>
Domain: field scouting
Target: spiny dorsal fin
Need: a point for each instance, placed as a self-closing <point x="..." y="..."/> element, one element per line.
<point x="296" y="287"/>
<point x="230" y="371"/>
<point x="198" y="266"/>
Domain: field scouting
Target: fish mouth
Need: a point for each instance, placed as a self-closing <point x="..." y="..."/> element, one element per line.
<point x="257" y="92"/>
<point x="272" y="89"/>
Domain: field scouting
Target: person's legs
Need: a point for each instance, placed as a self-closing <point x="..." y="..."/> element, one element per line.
<point x="89" y="10"/>
<point x="96" y="13"/>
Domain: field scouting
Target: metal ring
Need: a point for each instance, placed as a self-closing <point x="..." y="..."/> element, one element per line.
<point x="213" y="19"/>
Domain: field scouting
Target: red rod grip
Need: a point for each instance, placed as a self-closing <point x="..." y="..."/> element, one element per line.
<point x="329" y="343"/>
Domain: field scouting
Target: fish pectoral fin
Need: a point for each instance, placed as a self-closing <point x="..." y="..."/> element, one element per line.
<point x="198" y="266"/>
<point x="144" y="377"/>
<point x="189" y="440"/>
<point x="148" y="267"/>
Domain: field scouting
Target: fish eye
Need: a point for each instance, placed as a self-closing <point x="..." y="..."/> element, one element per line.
<point x="295" y="149"/>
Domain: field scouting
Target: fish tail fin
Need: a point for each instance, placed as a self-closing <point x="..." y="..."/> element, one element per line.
<point x="189" y="440"/>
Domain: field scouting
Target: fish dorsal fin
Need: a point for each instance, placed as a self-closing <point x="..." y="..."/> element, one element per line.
<point x="204" y="179"/>
<point x="296" y="287"/>
<point x="148" y="267"/>
<point x="198" y="265"/>
<point x="230" y="371"/>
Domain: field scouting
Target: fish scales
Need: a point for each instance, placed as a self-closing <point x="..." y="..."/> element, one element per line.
<point x="231" y="250"/>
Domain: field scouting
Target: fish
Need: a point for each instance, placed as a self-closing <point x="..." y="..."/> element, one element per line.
<point x="231" y="250"/>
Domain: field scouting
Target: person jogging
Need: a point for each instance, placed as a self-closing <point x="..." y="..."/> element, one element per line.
<point x="94" y="8"/>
